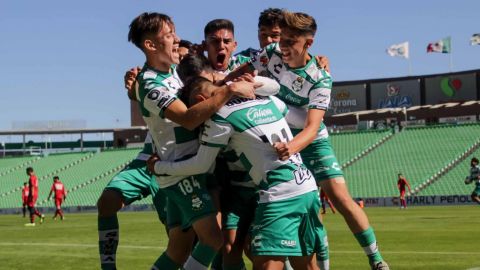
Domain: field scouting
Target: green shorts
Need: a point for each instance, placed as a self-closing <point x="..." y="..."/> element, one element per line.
<point x="188" y="201"/>
<point x="477" y="190"/>
<point x="320" y="159"/>
<point x="288" y="227"/>
<point x="238" y="208"/>
<point x="135" y="182"/>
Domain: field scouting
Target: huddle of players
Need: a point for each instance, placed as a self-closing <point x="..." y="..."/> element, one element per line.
<point x="276" y="149"/>
<point x="30" y="196"/>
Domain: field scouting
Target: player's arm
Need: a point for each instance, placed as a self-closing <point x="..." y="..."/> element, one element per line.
<point x="408" y="185"/>
<point x="319" y="99"/>
<point x="304" y="138"/>
<point x="192" y="117"/>
<point x="30" y="189"/>
<point x="214" y="137"/>
<point x="51" y="191"/>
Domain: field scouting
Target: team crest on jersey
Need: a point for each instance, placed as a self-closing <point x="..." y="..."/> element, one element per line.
<point x="197" y="203"/>
<point x="297" y="85"/>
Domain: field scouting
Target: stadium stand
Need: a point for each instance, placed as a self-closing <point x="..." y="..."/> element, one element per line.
<point x="452" y="183"/>
<point x="70" y="171"/>
<point x="9" y="165"/>
<point x="417" y="152"/>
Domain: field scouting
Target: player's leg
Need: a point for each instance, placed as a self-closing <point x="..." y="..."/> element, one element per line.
<point x="24" y="209"/>
<point x="124" y="188"/>
<point x="269" y="262"/>
<point x="323" y="205"/>
<point x="475" y="195"/>
<point x="59" y="209"/>
<point x="329" y="177"/>
<point x="330" y="204"/>
<point x="238" y="212"/>
<point x="196" y="209"/>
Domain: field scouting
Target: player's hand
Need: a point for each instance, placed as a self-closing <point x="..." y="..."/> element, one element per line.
<point x="130" y="79"/>
<point x="244" y="89"/>
<point x="322" y="62"/>
<point x="283" y="150"/>
<point x="247" y="77"/>
<point x="151" y="163"/>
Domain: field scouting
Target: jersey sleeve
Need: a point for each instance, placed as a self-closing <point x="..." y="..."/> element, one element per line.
<point x="319" y="95"/>
<point x="269" y="86"/>
<point x="259" y="60"/>
<point x="157" y="99"/>
<point x="216" y="132"/>
<point x="281" y="106"/>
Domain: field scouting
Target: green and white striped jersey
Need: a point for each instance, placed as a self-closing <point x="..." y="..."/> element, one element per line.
<point x="235" y="62"/>
<point x="250" y="127"/>
<point x="156" y="91"/>
<point x="148" y="148"/>
<point x="474" y="174"/>
<point x="301" y="89"/>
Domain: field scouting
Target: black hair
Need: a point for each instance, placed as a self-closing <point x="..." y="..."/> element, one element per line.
<point x="270" y="17"/>
<point x="474" y="160"/>
<point x="218" y="24"/>
<point x="29" y="169"/>
<point x="185" y="44"/>
<point x="191" y="66"/>
<point x="55" y="178"/>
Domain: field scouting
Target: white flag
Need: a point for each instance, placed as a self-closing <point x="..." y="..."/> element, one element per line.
<point x="400" y="50"/>
<point x="475" y="39"/>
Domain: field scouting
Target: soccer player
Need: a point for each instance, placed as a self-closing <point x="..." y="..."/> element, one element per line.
<point x="401" y="183"/>
<point x="170" y="122"/>
<point x="32" y="197"/>
<point x="306" y="90"/>
<point x="183" y="48"/>
<point x="288" y="194"/>
<point x="25" y="192"/>
<point x="60" y="193"/>
<point x="324" y="199"/>
<point x="131" y="184"/>
<point x="474" y="177"/>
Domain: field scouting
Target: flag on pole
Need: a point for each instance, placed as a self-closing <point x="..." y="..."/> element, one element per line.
<point x="400" y="50"/>
<point x="475" y="39"/>
<point x="441" y="46"/>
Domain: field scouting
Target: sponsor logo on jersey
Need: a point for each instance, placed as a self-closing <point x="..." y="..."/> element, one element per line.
<point x="238" y="101"/>
<point x="297" y="84"/>
<point x="153" y="95"/>
<point x="288" y="243"/>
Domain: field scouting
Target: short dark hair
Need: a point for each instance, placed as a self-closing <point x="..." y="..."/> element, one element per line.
<point x="189" y="71"/>
<point x="29" y="169"/>
<point x="218" y="24"/>
<point x="191" y="66"/>
<point x="25" y="183"/>
<point x="474" y="160"/>
<point x="300" y="23"/>
<point x="185" y="44"/>
<point x="270" y="17"/>
<point x="145" y="24"/>
<point x="55" y="178"/>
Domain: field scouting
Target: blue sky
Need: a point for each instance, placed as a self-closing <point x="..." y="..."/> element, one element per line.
<point x="62" y="60"/>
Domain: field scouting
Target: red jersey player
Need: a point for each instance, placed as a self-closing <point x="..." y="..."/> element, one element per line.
<point x="32" y="197"/>
<point x="25" y="192"/>
<point x="401" y="183"/>
<point x="323" y="198"/>
<point x="60" y="195"/>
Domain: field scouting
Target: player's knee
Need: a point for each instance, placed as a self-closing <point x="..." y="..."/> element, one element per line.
<point x="109" y="203"/>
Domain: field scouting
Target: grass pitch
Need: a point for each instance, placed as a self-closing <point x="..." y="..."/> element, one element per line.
<point x="417" y="238"/>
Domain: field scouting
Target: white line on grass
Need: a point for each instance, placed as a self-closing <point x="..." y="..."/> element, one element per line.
<point x="161" y="247"/>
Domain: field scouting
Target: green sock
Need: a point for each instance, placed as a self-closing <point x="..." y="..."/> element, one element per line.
<point x="367" y="240"/>
<point x="108" y="241"/>
<point x="165" y="263"/>
<point x="202" y="256"/>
